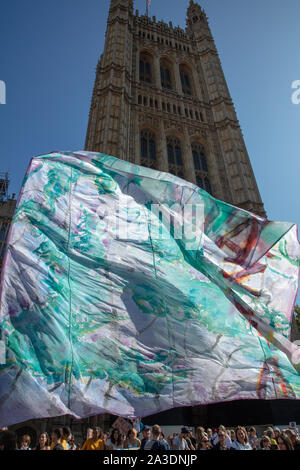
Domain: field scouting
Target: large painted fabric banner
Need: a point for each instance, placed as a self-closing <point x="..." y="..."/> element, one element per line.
<point x="131" y="291"/>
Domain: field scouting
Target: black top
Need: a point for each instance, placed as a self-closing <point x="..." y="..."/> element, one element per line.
<point x="58" y="447"/>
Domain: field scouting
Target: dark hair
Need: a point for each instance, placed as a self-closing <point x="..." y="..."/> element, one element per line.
<point x="156" y="430"/>
<point x="8" y="440"/>
<point x="119" y="440"/>
<point x="58" y="432"/>
<point x="66" y="431"/>
<point x="38" y="447"/>
<point x="286" y="440"/>
<point x="97" y="430"/>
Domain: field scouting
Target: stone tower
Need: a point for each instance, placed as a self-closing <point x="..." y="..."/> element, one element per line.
<point x="161" y="100"/>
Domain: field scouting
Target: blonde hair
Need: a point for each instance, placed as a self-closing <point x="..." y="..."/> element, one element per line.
<point x="241" y="428"/>
<point x="132" y="430"/>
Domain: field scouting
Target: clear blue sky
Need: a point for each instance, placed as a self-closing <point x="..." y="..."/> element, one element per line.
<point x="49" y="50"/>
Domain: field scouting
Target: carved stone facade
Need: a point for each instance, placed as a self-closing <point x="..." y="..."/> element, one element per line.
<point x="7" y="208"/>
<point x="161" y="98"/>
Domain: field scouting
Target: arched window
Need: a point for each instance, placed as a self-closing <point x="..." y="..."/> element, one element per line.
<point x="186" y="81"/>
<point x="166" y="75"/>
<point x="145" y="68"/>
<point x="175" y="157"/>
<point x="207" y="185"/>
<point x="199" y="181"/>
<point x="148" y="149"/>
<point x="200" y="166"/>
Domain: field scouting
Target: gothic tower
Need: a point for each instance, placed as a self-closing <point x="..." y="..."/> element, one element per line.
<point x="161" y="100"/>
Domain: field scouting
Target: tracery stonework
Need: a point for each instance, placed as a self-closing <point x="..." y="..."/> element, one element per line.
<point x="155" y="78"/>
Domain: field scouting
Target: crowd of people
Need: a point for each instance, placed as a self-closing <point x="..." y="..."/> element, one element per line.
<point x="153" y="439"/>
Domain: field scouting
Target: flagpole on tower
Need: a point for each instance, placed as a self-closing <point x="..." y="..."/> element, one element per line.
<point x="147" y="7"/>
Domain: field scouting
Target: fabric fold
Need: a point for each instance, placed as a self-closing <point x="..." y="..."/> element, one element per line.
<point x="131" y="291"/>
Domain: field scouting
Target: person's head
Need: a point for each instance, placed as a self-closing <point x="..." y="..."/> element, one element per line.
<point x="200" y="432"/>
<point x="276" y="433"/>
<point x="56" y="435"/>
<point x="284" y="442"/>
<point x="146" y="432"/>
<point x="8" y="440"/>
<point x="222" y="436"/>
<point x="241" y="435"/>
<point x="105" y="436"/>
<point x="204" y="443"/>
<point x="25" y="441"/>
<point x="209" y="433"/>
<point x="96" y="433"/>
<point x="89" y="433"/>
<point x="266" y="442"/>
<point x="232" y="435"/>
<point x="43" y="440"/>
<point x="116" y="437"/>
<point x="270" y="433"/>
<point x="292" y="435"/>
<point x="156" y="431"/>
<point x="66" y="433"/>
<point x="71" y="440"/>
<point x="132" y="434"/>
<point x="185" y="431"/>
<point x="252" y="431"/>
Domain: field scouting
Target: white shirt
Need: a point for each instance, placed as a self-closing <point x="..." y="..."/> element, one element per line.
<point x="238" y="446"/>
<point x="228" y="442"/>
<point x="110" y="445"/>
<point x="181" y="444"/>
<point x="148" y="445"/>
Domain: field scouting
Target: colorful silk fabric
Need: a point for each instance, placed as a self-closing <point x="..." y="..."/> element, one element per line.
<point x="131" y="291"/>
